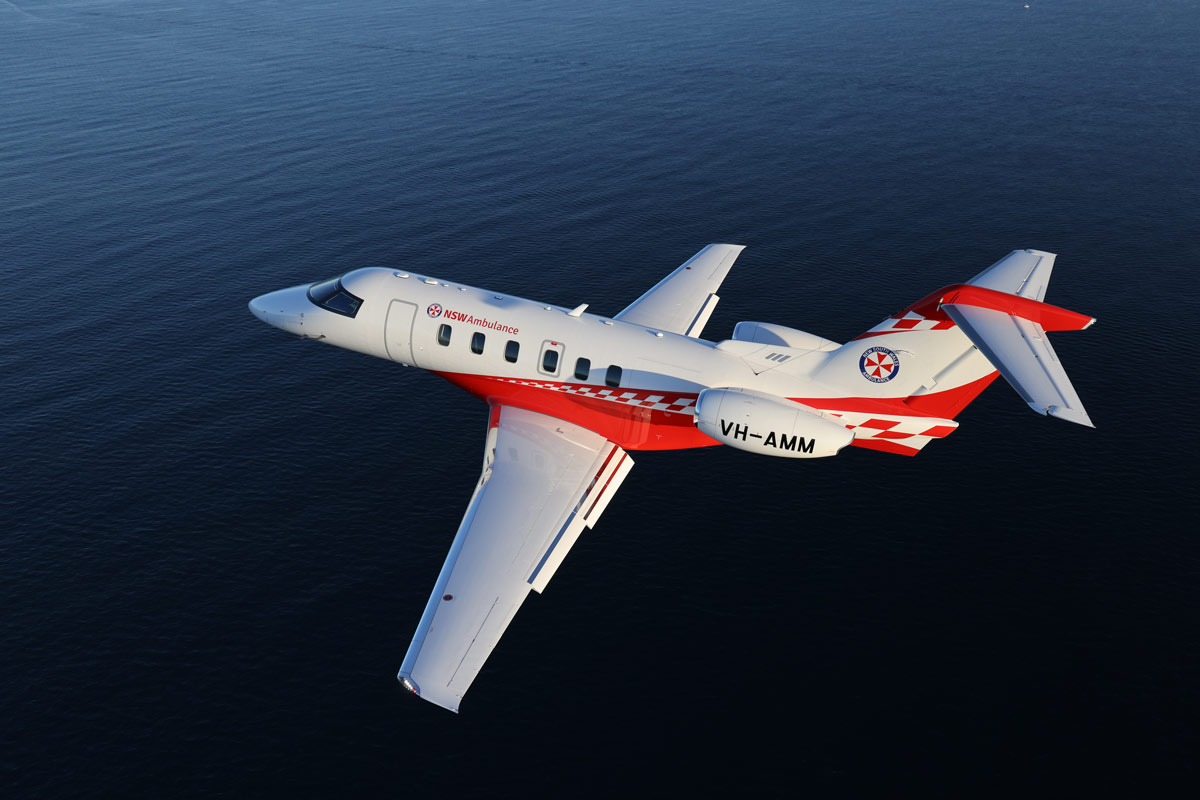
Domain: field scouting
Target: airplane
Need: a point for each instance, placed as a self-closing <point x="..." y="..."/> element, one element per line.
<point x="571" y="393"/>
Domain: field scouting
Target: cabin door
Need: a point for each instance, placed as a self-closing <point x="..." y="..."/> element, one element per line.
<point x="398" y="331"/>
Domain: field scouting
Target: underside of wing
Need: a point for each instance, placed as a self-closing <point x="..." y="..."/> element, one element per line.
<point x="544" y="480"/>
<point x="683" y="301"/>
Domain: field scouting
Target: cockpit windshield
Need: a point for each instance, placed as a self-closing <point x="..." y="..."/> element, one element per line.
<point x="331" y="295"/>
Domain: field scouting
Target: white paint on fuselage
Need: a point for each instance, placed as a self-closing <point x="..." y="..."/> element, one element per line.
<point x="650" y="360"/>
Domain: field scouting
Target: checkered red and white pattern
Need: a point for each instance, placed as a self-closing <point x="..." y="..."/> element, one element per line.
<point x="656" y="401"/>
<point x="912" y="321"/>
<point x="905" y="433"/>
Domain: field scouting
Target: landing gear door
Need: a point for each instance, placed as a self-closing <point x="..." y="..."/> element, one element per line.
<point x="398" y="331"/>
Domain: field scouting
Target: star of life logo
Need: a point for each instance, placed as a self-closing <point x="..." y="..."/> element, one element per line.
<point x="879" y="365"/>
<point x="434" y="310"/>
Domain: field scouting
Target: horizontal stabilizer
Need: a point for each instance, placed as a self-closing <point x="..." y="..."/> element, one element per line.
<point x="1019" y="349"/>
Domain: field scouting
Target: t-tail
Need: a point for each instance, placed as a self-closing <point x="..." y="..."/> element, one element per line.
<point x="934" y="357"/>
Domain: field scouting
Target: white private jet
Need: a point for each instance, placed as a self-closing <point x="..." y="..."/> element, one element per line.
<point x="570" y="393"/>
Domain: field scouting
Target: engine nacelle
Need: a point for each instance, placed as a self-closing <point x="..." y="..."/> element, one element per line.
<point x="766" y="424"/>
<point x="770" y="333"/>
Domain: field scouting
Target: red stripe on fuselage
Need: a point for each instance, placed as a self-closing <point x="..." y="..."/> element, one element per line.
<point x="630" y="424"/>
<point x="949" y="403"/>
<point x="945" y="405"/>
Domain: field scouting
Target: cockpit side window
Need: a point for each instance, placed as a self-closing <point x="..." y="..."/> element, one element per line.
<point x="332" y="296"/>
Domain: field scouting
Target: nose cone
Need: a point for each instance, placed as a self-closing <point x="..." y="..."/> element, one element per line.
<point x="259" y="309"/>
<point x="284" y="309"/>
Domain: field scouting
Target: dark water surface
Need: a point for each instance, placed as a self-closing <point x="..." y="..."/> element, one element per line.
<point x="218" y="540"/>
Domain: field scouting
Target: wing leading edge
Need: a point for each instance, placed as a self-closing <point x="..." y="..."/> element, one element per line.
<point x="683" y="301"/>
<point x="543" y="481"/>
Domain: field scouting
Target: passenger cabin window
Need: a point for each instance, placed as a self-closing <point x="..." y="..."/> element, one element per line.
<point x="332" y="296"/>
<point x="477" y="343"/>
<point x="550" y="361"/>
<point x="443" y="335"/>
<point x="510" y="351"/>
<point x="613" y="376"/>
<point x="582" y="368"/>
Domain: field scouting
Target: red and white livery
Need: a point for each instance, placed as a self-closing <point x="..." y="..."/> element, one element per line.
<point x="570" y="393"/>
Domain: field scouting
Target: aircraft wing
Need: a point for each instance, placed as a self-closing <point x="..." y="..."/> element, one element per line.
<point x="683" y="301"/>
<point x="543" y="481"/>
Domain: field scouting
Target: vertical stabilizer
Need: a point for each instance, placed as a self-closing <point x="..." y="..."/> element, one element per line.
<point x="1025" y="273"/>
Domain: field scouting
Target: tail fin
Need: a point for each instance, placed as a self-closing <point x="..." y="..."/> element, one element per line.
<point x="936" y="356"/>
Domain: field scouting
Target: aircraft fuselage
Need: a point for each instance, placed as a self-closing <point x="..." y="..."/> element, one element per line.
<point x="635" y="385"/>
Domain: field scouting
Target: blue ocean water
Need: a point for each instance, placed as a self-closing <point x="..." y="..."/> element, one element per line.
<point x="218" y="540"/>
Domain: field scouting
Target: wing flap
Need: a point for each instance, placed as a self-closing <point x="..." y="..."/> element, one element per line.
<point x="683" y="301"/>
<point x="542" y="480"/>
<point x="1020" y="350"/>
<point x="587" y="510"/>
